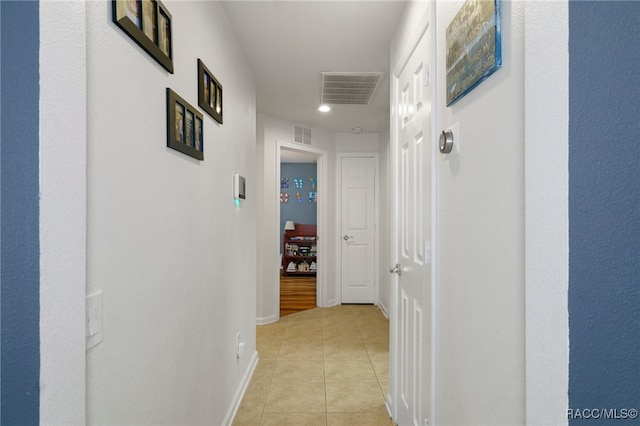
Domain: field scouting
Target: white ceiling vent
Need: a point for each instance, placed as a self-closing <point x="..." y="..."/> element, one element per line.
<point x="301" y="135"/>
<point x="349" y="88"/>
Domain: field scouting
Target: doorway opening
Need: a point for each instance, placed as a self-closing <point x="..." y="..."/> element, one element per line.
<point x="301" y="218"/>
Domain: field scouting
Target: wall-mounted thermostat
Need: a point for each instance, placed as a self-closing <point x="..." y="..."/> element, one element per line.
<point x="239" y="187"/>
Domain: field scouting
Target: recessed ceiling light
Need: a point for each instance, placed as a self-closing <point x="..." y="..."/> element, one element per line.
<point x="324" y="108"/>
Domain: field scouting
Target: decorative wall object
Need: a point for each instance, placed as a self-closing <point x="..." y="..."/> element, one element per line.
<point x="184" y="126"/>
<point x="209" y="92"/>
<point x="297" y="198"/>
<point x="284" y="197"/>
<point x="313" y="182"/>
<point x="284" y="182"/>
<point x="313" y="197"/>
<point x="298" y="182"/>
<point x="148" y="23"/>
<point x="474" y="49"/>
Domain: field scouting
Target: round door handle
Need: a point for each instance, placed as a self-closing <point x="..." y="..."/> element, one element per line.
<point x="446" y="141"/>
<point x="347" y="237"/>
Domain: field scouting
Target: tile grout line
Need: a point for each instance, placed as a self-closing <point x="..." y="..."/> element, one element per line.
<point x="350" y="316"/>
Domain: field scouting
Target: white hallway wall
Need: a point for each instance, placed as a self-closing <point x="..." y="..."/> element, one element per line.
<point x="384" y="229"/>
<point x="481" y="331"/>
<point x="172" y="253"/>
<point x="63" y="198"/>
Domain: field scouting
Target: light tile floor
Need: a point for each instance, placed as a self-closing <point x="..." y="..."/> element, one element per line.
<point x="324" y="366"/>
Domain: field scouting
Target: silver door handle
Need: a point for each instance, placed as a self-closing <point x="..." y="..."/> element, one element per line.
<point x="347" y="237"/>
<point x="396" y="269"/>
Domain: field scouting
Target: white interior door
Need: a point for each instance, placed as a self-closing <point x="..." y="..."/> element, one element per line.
<point x="358" y="220"/>
<point x="410" y="372"/>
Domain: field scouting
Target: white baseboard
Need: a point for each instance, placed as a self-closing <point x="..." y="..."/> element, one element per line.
<point x="267" y="320"/>
<point x="387" y="404"/>
<point x="383" y="309"/>
<point x="244" y="384"/>
<point x="332" y="302"/>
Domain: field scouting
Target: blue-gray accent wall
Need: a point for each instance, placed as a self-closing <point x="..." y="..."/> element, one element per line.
<point x="19" y="212"/>
<point x="604" y="211"/>
<point x="303" y="212"/>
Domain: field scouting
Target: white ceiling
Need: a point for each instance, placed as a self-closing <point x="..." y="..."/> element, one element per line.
<point x="289" y="43"/>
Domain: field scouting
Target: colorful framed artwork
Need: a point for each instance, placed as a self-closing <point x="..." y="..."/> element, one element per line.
<point x="184" y="126"/>
<point x="209" y="92"/>
<point x="148" y="23"/>
<point x="474" y="47"/>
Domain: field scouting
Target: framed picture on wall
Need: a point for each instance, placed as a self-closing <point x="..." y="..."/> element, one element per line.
<point x="474" y="47"/>
<point x="209" y="92"/>
<point x="184" y="126"/>
<point x="148" y="23"/>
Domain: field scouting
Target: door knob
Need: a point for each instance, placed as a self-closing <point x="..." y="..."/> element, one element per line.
<point x="396" y="269"/>
<point x="446" y="141"/>
<point x="347" y="237"/>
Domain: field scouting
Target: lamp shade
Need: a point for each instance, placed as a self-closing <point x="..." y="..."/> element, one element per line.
<point x="289" y="226"/>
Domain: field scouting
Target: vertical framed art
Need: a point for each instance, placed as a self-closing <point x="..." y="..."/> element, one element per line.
<point x="198" y="134"/>
<point x="184" y="126"/>
<point x="148" y="23"/>
<point x="189" y="129"/>
<point x="209" y="92"/>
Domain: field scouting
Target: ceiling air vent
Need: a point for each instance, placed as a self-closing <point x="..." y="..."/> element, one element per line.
<point x="349" y="88"/>
<point x="301" y="135"/>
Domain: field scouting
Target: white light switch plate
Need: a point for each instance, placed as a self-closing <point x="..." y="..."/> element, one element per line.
<point x="94" y="319"/>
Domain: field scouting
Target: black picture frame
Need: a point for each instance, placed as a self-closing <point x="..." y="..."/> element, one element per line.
<point x="148" y="23"/>
<point x="185" y="129"/>
<point x="210" y="93"/>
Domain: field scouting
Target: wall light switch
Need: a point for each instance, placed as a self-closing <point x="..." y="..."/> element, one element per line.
<point x="94" y="319"/>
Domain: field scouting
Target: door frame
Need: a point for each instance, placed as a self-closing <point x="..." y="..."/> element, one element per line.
<point x="376" y="238"/>
<point x="321" y="174"/>
<point x="426" y="24"/>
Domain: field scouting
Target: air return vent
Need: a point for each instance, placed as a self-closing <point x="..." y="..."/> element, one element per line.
<point x="301" y="135"/>
<point x="349" y="88"/>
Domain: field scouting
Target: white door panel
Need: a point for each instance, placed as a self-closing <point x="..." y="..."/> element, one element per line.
<point x="410" y="372"/>
<point x="358" y="229"/>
